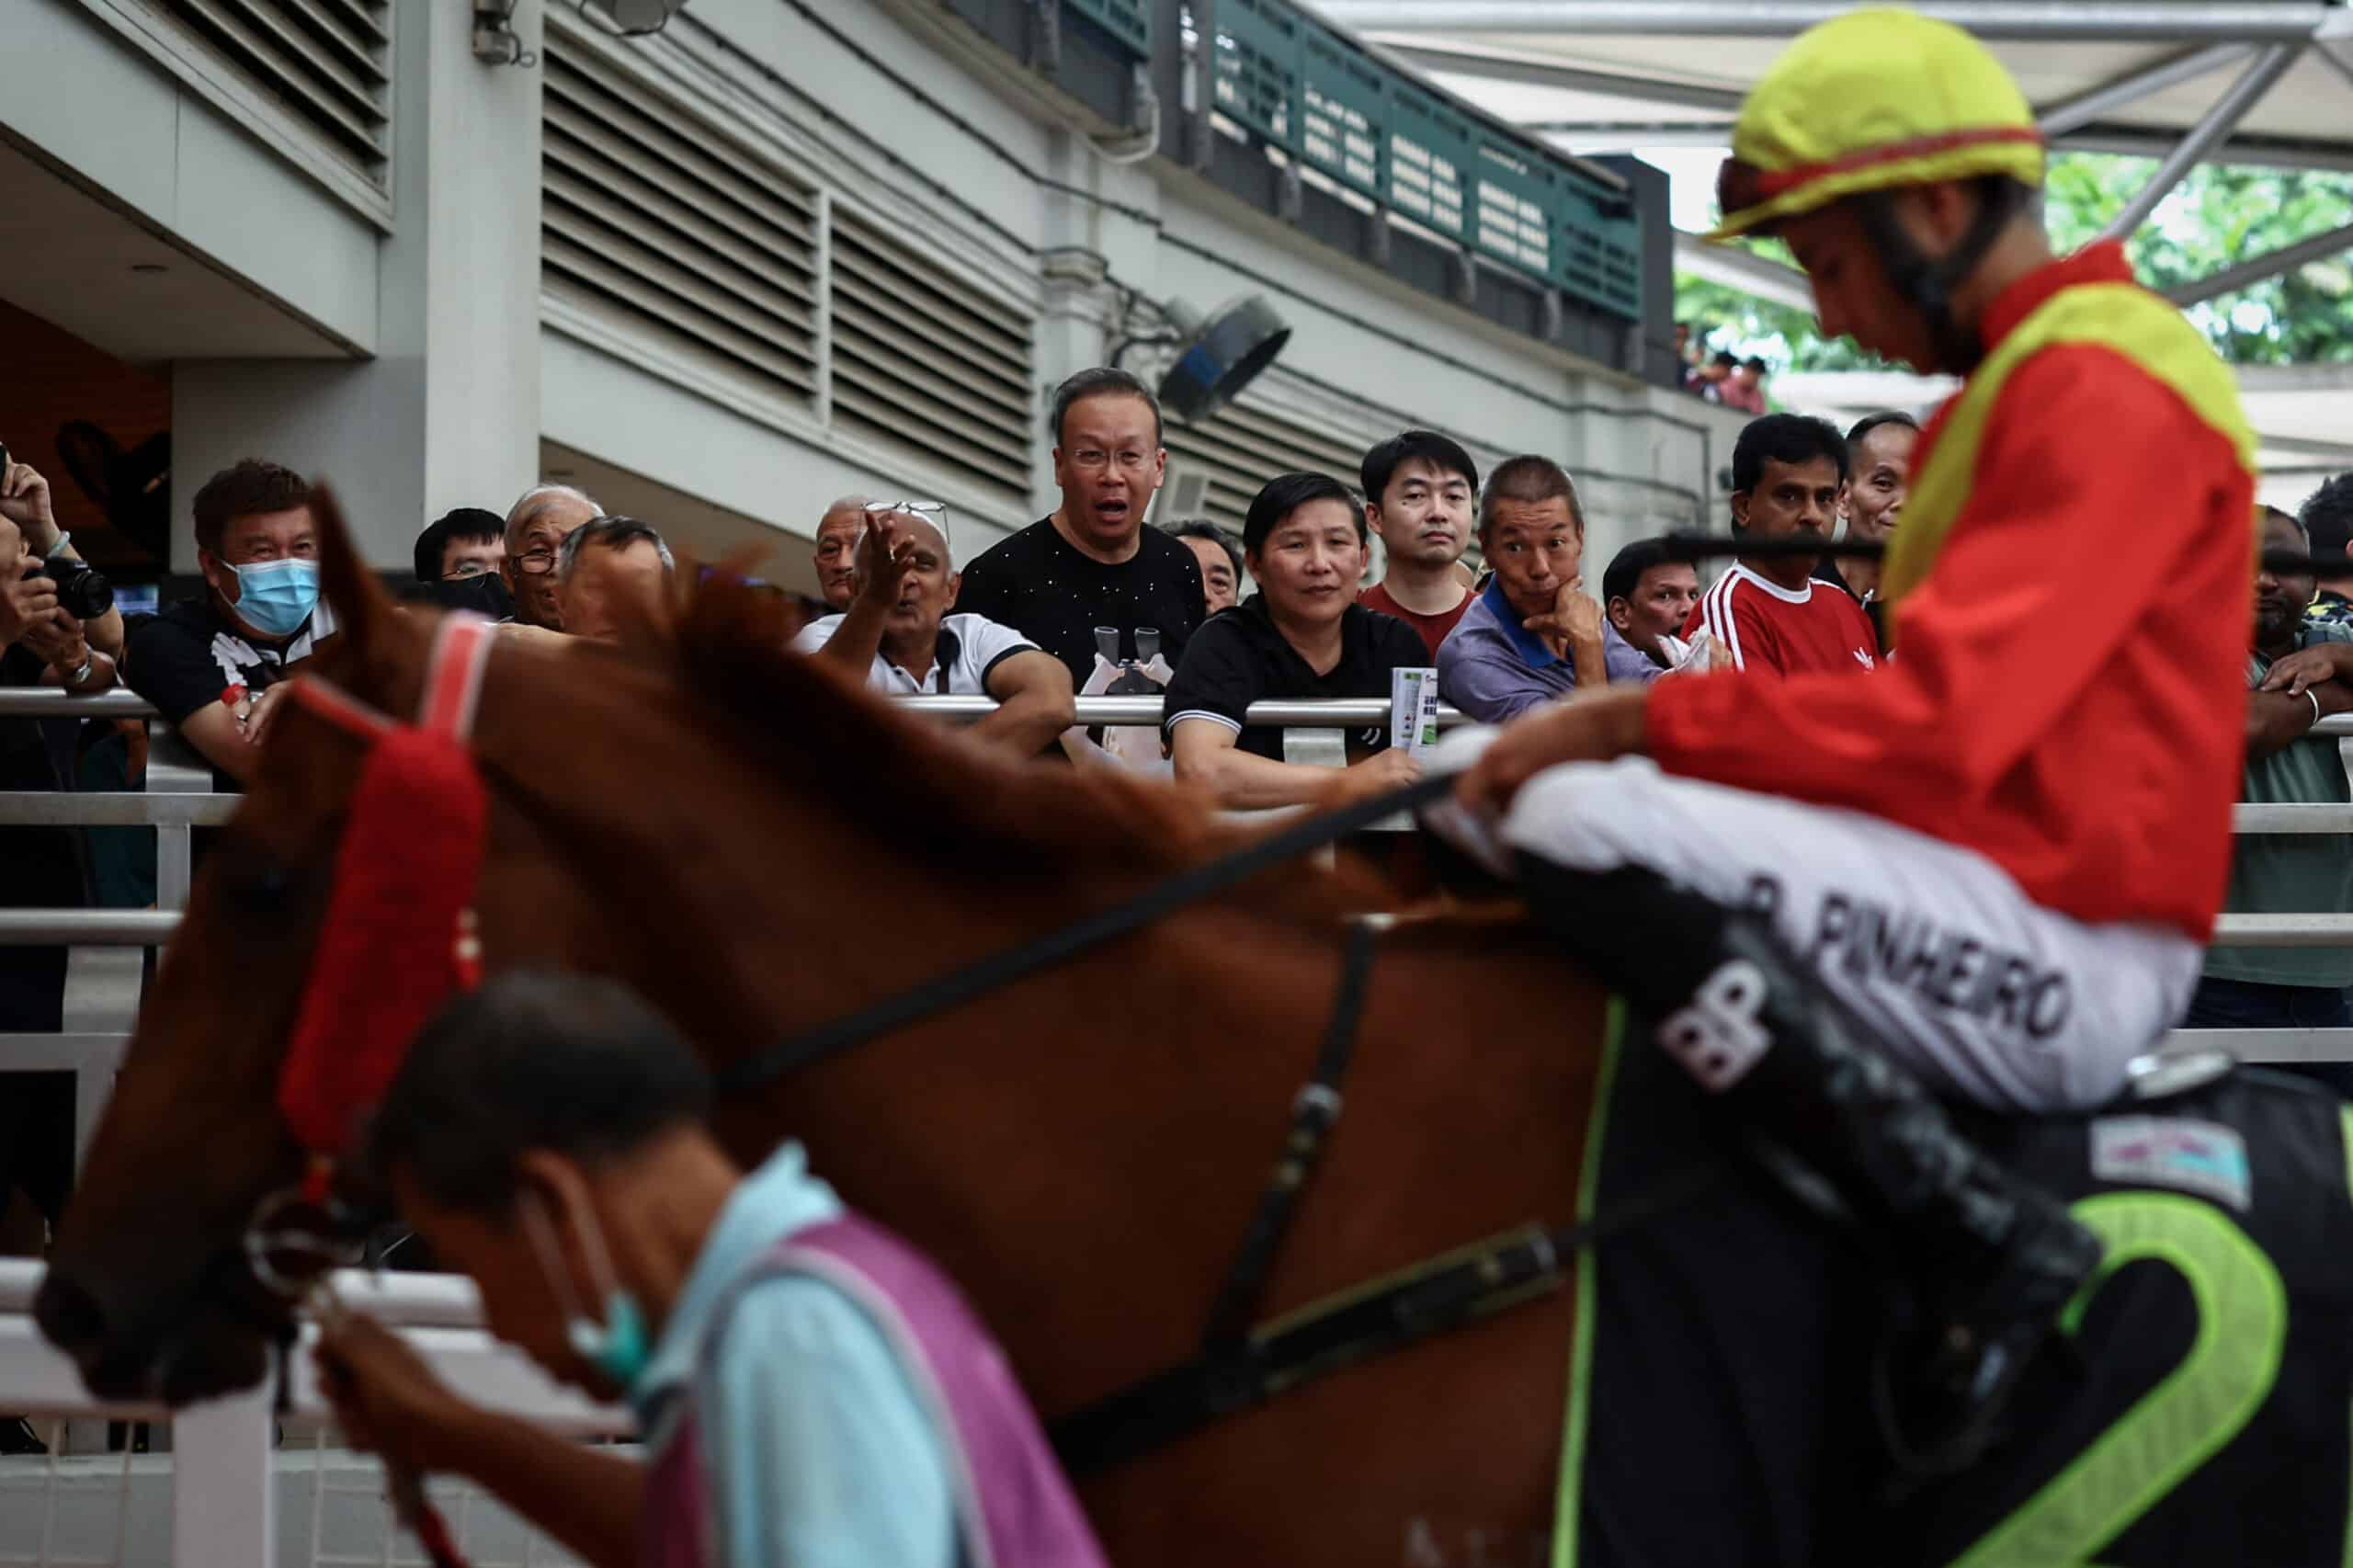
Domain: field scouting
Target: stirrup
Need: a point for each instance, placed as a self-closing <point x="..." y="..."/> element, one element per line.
<point x="1940" y="1390"/>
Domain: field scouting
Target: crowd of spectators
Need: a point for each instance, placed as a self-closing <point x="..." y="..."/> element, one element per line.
<point x="1722" y="376"/>
<point x="1091" y="600"/>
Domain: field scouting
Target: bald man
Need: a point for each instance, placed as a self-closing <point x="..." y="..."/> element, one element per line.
<point x="836" y="556"/>
<point x="898" y="636"/>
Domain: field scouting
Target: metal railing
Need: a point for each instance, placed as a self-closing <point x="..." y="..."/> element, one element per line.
<point x="178" y="800"/>
<point x="225" y="1506"/>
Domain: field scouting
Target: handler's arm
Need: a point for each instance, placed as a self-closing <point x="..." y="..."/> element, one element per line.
<point x="390" y="1402"/>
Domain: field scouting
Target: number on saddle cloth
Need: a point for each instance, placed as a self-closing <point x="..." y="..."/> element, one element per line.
<point x="2207" y="1420"/>
<point x="1720" y="1392"/>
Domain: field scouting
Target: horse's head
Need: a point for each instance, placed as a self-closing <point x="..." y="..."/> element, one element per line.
<point x="149" y="1286"/>
<point x="657" y="813"/>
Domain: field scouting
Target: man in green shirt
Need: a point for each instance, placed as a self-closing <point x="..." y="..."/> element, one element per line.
<point x="2298" y="672"/>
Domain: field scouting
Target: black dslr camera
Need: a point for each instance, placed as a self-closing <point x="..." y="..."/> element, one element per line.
<point x="82" y="591"/>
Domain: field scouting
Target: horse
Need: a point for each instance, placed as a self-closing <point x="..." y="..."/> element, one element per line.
<point x="751" y="841"/>
<point x="756" y="843"/>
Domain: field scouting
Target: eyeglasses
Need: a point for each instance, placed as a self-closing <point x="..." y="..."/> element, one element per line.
<point x="932" y="512"/>
<point x="1091" y="458"/>
<point x="539" y="561"/>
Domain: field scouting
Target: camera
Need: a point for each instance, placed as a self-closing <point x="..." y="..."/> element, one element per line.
<point x="82" y="591"/>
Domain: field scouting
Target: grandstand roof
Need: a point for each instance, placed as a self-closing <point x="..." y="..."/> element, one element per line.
<point x="2256" y="81"/>
<point x="2263" y="82"/>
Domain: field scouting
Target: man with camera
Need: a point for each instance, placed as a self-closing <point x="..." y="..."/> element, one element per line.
<point x="52" y="603"/>
<point x="58" y="627"/>
<point x="216" y="665"/>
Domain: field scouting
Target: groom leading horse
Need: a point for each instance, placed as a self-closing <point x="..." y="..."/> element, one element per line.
<point x="1995" y="862"/>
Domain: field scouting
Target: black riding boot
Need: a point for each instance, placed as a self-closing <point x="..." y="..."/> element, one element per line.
<point x="1992" y="1259"/>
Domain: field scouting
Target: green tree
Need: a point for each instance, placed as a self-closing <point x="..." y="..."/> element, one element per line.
<point x="2218" y="216"/>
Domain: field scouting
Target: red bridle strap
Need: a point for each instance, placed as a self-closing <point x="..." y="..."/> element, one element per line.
<point x="399" y="935"/>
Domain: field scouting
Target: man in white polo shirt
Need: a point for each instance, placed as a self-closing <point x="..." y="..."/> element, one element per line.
<point x="898" y="635"/>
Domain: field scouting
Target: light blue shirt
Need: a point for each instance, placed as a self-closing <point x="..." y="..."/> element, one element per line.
<point x="820" y="1452"/>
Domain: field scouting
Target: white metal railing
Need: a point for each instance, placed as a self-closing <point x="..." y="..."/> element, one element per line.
<point x="221" y="1489"/>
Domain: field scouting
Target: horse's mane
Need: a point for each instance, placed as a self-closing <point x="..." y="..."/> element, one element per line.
<point x="911" y="777"/>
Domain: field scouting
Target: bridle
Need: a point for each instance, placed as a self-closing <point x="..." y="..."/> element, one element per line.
<point x="330" y="1081"/>
<point x="340" y="1060"/>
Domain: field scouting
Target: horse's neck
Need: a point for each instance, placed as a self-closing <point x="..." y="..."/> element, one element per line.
<point x="1083" y="1151"/>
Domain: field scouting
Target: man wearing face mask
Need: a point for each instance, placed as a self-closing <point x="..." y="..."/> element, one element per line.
<point x="215" y="666"/>
<point x="784" y="1356"/>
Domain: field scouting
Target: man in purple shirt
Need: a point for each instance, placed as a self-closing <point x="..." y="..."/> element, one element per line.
<point x="1534" y="634"/>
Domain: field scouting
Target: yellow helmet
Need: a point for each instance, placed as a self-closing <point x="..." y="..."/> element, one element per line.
<point x="1869" y="101"/>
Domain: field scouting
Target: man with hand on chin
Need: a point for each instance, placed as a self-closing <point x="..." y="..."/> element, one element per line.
<point x="1534" y="634"/>
<point x="214" y="665"/>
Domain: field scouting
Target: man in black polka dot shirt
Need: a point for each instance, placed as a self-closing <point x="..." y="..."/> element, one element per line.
<point x="1093" y="564"/>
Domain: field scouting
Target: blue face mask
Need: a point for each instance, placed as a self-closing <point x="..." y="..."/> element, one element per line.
<point x="275" y="597"/>
<point x="618" y="1348"/>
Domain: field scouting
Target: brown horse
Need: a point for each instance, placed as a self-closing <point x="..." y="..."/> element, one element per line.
<point x="757" y="847"/>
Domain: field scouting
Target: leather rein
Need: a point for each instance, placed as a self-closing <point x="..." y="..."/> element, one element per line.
<point x="1241" y="1362"/>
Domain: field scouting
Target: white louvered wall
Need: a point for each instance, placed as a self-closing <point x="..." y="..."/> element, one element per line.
<point x="664" y="231"/>
<point x="327" y="61"/>
<point x="922" y="359"/>
<point x="1246" y="444"/>
<point x="649" y="222"/>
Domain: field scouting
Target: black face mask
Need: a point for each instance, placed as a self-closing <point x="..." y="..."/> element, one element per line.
<point x="484" y="595"/>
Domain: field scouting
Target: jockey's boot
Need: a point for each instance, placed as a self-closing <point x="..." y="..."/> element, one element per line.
<point x="1991" y="1258"/>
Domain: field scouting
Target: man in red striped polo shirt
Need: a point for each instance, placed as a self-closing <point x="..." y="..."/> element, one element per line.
<point x="1788" y="475"/>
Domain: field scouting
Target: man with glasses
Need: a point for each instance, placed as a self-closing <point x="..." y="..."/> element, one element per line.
<point x="1093" y="564"/>
<point x="535" y="527"/>
<point x="898" y="636"/>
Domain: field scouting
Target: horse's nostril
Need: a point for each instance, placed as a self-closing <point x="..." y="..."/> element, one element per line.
<point x="69" y="1315"/>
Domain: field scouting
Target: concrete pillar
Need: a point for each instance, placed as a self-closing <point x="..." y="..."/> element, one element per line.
<point x="447" y="413"/>
<point x="1090" y="253"/>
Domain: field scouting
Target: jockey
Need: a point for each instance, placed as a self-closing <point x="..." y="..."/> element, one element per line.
<point x="1994" y="862"/>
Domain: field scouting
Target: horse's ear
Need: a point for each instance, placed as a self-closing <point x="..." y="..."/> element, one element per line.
<point x="362" y="609"/>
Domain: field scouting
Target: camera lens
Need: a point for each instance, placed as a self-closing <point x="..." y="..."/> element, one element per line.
<point x="82" y="592"/>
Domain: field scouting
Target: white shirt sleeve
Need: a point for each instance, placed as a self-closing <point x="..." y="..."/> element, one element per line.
<point x="985" y="641"/>
<point x="816" y="634"/>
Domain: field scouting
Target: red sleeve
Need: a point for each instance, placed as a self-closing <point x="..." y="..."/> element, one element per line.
<point x="2067" y="538"/>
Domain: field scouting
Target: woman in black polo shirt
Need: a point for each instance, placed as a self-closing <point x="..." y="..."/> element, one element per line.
<point x="1302" y="635"/>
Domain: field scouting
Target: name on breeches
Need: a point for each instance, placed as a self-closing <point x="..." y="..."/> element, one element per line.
<point x="1875" y="945"/>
